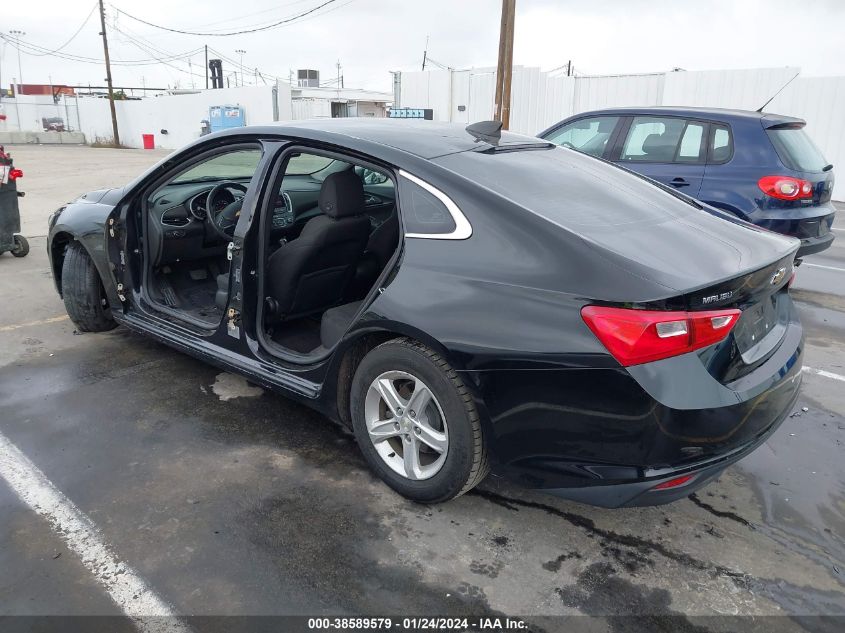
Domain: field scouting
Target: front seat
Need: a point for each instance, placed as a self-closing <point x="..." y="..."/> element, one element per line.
<point x="311" y="273"/>
<point x="656" y="148"/>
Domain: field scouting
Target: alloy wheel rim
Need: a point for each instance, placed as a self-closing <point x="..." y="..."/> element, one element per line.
<point x="406" y="425"/>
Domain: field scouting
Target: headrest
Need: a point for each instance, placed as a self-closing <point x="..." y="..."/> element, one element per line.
<point x="655" y="144"/>
<point x="342" y="195"/>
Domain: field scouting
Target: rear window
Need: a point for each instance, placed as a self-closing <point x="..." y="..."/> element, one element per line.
<point x="796" y="150"/>
<point x="570" y="189"/>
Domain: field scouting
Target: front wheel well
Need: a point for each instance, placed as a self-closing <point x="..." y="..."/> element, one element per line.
<point x="58" y="249"/>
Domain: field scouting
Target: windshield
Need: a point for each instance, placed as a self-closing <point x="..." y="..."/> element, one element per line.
<point x="237" y="165"/>
<point x="306" y="164"/>
<point x="796" y="150"/>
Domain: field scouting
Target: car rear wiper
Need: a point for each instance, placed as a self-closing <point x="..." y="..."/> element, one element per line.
<point x="827" y="167"/>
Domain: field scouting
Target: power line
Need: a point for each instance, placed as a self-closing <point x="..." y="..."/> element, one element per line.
<point x="72" y="37"/>
<point x="147" y="47"/>
<point x="253" y="14"/>
<point x="238" y="65"/>
<point x="35" y="50"/>
<point x="266" y="27"/>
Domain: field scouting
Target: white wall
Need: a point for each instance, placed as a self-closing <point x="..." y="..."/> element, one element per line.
<point x="311" y="109"/>
<point x="539" y="99"/>
<point x="742" y="89"/>
<point x="32" y="109"/>
<point x="180" y="115"/>
<point x="820" y="101"/>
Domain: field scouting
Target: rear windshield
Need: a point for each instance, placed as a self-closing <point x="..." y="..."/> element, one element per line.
<point x="796" y="150"/>
<point x="570" y="188"/>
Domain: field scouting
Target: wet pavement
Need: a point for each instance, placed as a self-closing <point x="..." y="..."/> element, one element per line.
<point x="231" y="500"/>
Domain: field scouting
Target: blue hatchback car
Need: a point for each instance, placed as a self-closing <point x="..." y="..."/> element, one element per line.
<point x="761" y="167"/>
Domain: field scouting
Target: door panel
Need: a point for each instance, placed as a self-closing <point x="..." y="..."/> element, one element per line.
<point x="670" y="150"/>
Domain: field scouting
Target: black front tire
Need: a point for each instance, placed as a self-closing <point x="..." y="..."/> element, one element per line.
<point x="466" y="463"/>
<point x="83" y="292"/>
<point x="21" y="248"/>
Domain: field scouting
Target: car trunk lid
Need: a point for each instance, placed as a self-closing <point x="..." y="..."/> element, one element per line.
<point x="762" y="296"/>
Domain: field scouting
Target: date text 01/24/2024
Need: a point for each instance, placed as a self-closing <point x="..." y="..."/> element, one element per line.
<point x="419" y="624"/>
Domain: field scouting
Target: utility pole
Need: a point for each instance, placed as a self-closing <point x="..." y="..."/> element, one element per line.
<point x="337" y="83"/>
<point x="569" y="69"/>
<point x="108" y="75"/>
<point x="425" y="52"/>
<point x="240" y="52"/>
<point x="17" y="34"/>
<point x="504" y="70"/>
<point x="206" y="66"/>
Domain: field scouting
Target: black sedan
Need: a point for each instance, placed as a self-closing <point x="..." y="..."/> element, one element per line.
<point x="462" y="300"/>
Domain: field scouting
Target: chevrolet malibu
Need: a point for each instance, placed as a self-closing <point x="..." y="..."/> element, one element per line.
<point x="463" y="300"/>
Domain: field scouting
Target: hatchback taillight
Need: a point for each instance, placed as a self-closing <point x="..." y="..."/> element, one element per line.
<point x="634" y="337"/>
<point x="786" y="187"/>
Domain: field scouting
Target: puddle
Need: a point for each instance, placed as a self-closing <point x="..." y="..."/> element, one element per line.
<point x="229" y="386"/>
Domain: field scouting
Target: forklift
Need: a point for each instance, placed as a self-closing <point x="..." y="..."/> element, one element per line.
<point x="10" y="216"/>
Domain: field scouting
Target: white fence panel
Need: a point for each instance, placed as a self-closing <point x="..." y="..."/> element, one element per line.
<point x="740" y="89"/>
<point x="594" y="93"/>
<point x="821" y="102"/>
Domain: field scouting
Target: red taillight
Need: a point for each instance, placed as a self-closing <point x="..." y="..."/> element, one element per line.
<point x="674" y="483"/>
<point x="786" y="187"/>
<point x="14" y="174"/>
<point x="634" y="337"/>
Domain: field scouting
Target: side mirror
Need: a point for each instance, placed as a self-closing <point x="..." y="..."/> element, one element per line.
<point x="371" y="177"/>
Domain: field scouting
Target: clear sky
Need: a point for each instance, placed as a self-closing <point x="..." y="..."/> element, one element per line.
<point x="372" y="37"/>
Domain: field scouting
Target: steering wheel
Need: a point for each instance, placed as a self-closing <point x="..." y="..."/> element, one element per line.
<point x="223" y="221"/>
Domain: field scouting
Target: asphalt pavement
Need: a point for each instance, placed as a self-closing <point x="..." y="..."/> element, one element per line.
<point x="222" y="499"/>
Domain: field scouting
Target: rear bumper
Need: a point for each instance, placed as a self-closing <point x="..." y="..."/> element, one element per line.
<point x="642" y="492"/>
<point x="815" y="244"/>
<point x="609" y="436"/>
<point x="811" y="225"/>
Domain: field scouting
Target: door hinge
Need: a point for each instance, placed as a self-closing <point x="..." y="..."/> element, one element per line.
<point x="120" y="294"/>
<point x="233" y="324"/>
<point x="231" y="250"/>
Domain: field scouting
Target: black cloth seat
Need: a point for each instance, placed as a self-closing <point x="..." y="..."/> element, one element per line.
<point x="335" y="322"/>
<point x="383" y="240"/>
<point x="380" y="248"/>
<point x="311" y="273"/>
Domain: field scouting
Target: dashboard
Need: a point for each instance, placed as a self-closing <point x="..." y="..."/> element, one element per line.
<point x="179" y="231"/>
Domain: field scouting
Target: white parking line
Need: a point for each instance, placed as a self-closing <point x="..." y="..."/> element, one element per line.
<point x="822" y="372"/>
<point x="840" y="230"/>
<point x="841" y="270"/>
<point x="126" y="588"/>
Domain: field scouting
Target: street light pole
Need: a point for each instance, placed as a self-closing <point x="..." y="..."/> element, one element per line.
<point x="241" y="52"/>
<point x="17" y="34"/>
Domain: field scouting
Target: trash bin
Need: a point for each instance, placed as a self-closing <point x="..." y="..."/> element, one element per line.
<point x="10" y="218"/>
<point x="149" y="141"/>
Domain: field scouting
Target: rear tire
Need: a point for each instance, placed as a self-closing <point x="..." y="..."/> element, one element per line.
<point x="21" y="248"/>
<point x="83" y="292"/>
<point x="449" y="419"/>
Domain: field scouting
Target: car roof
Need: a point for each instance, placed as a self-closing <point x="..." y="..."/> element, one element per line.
<point x="721" y="114"/>
<point x="426" y="139"/>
